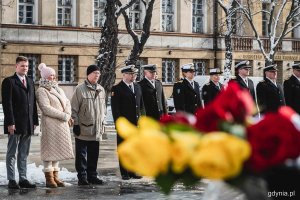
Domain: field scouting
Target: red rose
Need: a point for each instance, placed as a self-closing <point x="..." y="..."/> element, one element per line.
<point x="237" y="101"/>
<point x="232" y="104"/>
<point x="179" y="117"/>
<point x="208" y="118"/>
<point x="274" y="139"/>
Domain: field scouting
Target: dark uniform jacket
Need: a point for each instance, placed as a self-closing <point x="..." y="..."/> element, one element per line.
<point x="269" y="97"/>
<point x="186" y="98"/>
<point x="250" y="86"/>
<point x="19" y="105"/>
<point x="125" y="103"/>
<point x="292" y="93"/>
<point x="154" y="98"/>
<point x="210" y="91"/>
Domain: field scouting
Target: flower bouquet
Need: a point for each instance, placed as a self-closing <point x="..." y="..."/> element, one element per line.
<point x="221" y="142"/>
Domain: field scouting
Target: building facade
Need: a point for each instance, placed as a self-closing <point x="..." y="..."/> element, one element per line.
<point x="65" y="35"/>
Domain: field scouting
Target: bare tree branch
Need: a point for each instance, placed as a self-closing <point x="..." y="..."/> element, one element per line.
<point x="125" y="7"/>
<point x="281" y="13"/>
<point x="139" y="44"/>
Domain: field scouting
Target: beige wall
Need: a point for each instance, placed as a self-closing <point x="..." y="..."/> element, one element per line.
<point x="48" y="13"/>
<point x="9" y="12"/>
<point x="85" y="13"/>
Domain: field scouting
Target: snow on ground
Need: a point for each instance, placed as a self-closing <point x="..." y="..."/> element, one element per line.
<point x="36" y="174"/>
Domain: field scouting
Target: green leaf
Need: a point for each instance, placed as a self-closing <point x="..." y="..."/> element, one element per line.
<point x="188" y="178"/>
<point x="166" y="182"/>
<point x="233" y="128"/>
<point x="180" y="127"/>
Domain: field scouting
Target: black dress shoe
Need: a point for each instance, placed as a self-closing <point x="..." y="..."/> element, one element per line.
<point x="83" y="181"/>
<point x="95" y="181"/>
<point x="125" y="177"/>
<point x="26" y="184"/>
<point x="12" y="184"/>
<point x="136" y="176"/>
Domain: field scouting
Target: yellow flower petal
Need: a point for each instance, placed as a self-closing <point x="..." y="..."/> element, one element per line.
<point x="220" y="156"/>
<point x="125" y="129"/>
<point x="183" y="148"/>
<point x="147" y="154"/>
<point x="148" y="123"/>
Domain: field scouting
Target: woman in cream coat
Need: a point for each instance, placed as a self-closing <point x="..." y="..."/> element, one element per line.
<point x="56" y="143"/>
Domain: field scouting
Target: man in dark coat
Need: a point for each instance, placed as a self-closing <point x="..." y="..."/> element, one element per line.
<point x="270" y="94"/>
<point x="242" y="72"/>
<point x="211" y="89"/>
<point x="127" y="101"/>
<point x="186" y="93"/>
<point x="20" y="120"/>
<point x="292" y="89"/>
<point x="153" y="93"/>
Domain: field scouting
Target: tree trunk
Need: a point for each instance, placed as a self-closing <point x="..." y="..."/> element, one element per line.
<point x="108" y="47"/>
<point x="228" y="53"/>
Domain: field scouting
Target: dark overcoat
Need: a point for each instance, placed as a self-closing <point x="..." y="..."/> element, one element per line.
<point x="186" y="98"/>
<point x="210" y="91"/>
<point x="125" y="103"/>
<point x="269" y="96"/>
<point x="154" y="98"/>
<point x="19" y="105"/>
<point x="250" y="86"/>
<point x="291" y="88"/>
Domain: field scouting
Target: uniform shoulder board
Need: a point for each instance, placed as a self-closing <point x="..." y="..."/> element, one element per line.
<point x="207" y="83"/>
<point x="180" y="81"/>
<point x="262" y="81"/>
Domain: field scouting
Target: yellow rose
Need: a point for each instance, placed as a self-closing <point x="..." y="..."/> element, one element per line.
<point x="148" y="123"/>
<point x="125" y="128"/>
<point x="147" y="154"/>
<point x="183" y="148"/>
<point x="220" y="156"/>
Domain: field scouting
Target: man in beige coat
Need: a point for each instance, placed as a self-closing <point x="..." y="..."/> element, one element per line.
<point x="88" y="112"/>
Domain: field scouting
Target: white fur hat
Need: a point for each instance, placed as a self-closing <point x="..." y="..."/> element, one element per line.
<point x="45" y="71"/>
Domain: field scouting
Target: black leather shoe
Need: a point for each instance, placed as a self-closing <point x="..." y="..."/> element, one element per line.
<point x="95" y="181"/>
<point x="136" y="176"/>
<point x="125" y="178"/>
<point x="83" y="181"/>
<point x="26" y="184"/>
<point x="12" y="184"/>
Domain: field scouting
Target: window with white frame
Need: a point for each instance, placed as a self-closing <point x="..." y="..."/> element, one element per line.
<point x="135" y="15"/>
<point x="198" y="16"/>
<point x="169" y="71"/>
<point x="33" y="62"/>
<point x="99" y="12"/>
<point x="64" y="12"/>
<point x="200" y="67"/>
<point x="168" y="16"/>
<point x="67" y="69"/>
<point x="26" y="11"/>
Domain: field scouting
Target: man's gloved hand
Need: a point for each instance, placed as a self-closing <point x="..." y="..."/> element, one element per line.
<point x="76" y="130"/>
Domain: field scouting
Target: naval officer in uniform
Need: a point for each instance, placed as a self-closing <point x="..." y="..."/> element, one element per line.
<point x="127" y="101"/>
<point x="211" y="89"/>
<point x="186" y="93"/>
<point x="242" y="70"/>
<point x="270" y="94"/>
<point x="292" y="89"/>
<point x="153" y="93"/>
